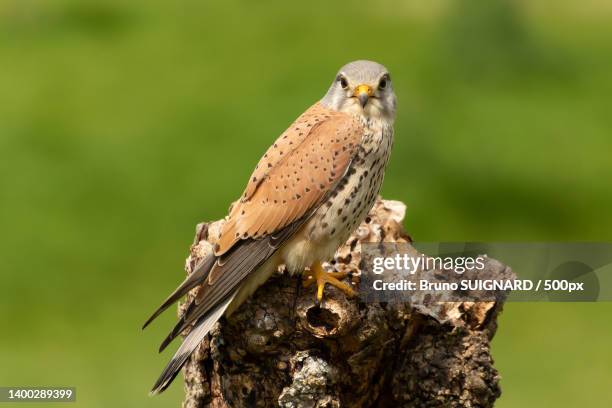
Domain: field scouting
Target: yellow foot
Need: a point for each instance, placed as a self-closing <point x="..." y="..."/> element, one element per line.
<point x="317" y="274"/>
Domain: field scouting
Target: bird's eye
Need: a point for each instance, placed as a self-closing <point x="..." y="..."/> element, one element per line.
<point x="343" y="81"/>
<point x="383" y="82"/>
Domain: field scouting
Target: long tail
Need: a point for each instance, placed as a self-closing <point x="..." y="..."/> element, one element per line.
<point x="201" y="329"/>
<point x="217" y="292"/>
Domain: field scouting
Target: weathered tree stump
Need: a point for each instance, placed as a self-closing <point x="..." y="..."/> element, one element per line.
<point x="280" y="349"/>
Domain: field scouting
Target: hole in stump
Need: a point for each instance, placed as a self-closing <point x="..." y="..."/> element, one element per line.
<point x="319" y="317"/>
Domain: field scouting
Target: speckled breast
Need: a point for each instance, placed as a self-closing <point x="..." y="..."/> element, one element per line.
<point x="354" y="195"/>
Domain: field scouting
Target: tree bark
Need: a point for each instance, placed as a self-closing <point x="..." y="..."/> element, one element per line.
<point x="281" y="350"/>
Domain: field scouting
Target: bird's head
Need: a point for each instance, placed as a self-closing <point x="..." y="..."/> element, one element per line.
<point x="362" y="88"/>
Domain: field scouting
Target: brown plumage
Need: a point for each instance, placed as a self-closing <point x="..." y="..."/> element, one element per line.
<point x="308" y="192"/>
<point x="293" y="175"/>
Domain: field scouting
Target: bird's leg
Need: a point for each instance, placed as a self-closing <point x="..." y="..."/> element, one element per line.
<point x="318" y="275"/>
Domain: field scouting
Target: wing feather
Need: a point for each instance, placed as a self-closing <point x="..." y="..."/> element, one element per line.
<point x="227" y="274"/>
<point x="195" y="278"/>
<point x="193" y="339"/>
<point x="296" y="172"/>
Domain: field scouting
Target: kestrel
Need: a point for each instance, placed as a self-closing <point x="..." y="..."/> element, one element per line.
<point x="308" y="193"/>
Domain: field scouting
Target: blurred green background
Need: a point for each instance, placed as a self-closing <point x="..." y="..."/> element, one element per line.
<point x="123" y="124"/>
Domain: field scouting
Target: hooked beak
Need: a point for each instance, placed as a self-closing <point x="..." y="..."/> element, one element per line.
<point x="363" y="93"/>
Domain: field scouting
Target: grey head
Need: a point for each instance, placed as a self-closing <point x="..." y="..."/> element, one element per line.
<point x="362" y="88"/>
